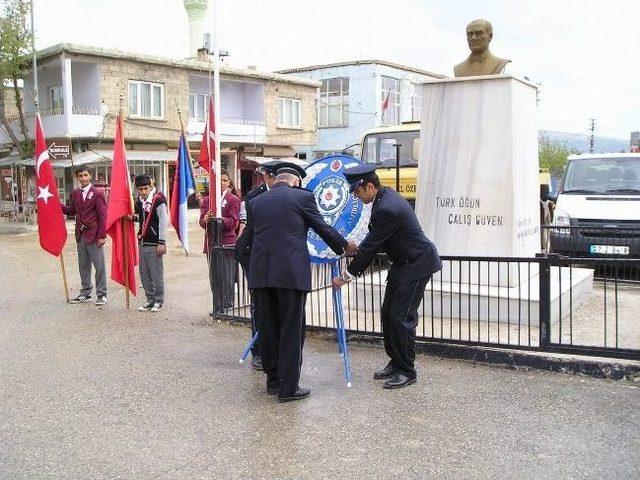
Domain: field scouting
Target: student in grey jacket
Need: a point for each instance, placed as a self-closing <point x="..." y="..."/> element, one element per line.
<point x="152" y="215"/>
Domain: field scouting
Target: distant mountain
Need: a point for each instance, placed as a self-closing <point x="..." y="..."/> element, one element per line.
<point x="581" y="142"/>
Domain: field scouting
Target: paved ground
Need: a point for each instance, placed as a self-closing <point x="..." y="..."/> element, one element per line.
<point x="105" y="393"/>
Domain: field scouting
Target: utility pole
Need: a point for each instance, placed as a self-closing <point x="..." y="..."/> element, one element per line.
<point x="592" y="139"/>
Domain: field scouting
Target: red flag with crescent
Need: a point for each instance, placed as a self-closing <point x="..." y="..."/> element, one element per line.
<point x="51" y="227"/>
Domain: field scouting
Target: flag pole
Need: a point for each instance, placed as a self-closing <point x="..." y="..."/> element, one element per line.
<point x="126" y="261"/>
<point x="124" y="220"/>
<point x="183" y="138"/>
<point x="35" y="63"/>
<point x="216" y="106"/>
<point x="36" y="107"/>
<point x="64" y="277"/>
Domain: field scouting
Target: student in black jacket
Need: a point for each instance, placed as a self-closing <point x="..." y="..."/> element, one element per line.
<point x="152" y="214"/>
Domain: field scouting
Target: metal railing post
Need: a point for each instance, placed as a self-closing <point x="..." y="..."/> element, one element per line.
<point x="216" y="274"/>
<point x="545" y="301"/>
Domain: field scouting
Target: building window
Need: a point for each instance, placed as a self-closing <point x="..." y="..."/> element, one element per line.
<point x="416" y="103"/>
<point x="288" y="113"/>
<point x="55" y="104"/>
<point x="198" y="106"/>
<point x="334" y="103"/>
<point x="390" y="101"/>
<point x="146" y="99"/>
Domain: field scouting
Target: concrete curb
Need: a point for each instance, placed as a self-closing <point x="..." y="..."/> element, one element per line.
<point x="597" y="367"/>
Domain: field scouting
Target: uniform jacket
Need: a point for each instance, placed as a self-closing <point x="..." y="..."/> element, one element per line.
<point x="277" y="236"/>
<point x="91" y="214"/>
<point x="394" y="229"/>
<point x="156" y="230"/>
<point x="230" y="219"/>
<point x="243" y="247"/>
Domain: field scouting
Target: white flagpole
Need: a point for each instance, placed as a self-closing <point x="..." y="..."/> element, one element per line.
<point x="216" y="106"/>
<point x="35" y="63"/>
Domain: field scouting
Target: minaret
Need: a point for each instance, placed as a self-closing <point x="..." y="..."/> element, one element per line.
<point x="197" y="12"/>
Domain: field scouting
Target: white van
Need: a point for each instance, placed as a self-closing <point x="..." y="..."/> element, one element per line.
<point x="597" y="210"/>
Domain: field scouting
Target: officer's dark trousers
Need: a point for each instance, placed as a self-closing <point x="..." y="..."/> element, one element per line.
<point x="399" y="320"/>
<point x="281" y="314"/>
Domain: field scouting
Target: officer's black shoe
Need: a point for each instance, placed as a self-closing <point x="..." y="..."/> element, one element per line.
<point x="399" y="380"/>
<point x="300" y="393"/>
<point x="273" y="390"/>
<point x="387" y="372"/>
<point x="257" y="363"/>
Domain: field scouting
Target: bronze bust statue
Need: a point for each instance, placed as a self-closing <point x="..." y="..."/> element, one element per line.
<point x="481" y="61"/>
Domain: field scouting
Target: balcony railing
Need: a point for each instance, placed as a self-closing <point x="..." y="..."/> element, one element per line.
<point x="54" y="111"/>
<point x="84" y="110"/>
<point x="242" y="121"/>
<point x="84" y="121"/>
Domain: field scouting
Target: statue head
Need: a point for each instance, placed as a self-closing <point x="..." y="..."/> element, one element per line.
<point x="479" y="35"/>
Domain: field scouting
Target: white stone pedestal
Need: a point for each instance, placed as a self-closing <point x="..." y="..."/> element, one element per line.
<point x="478" y="193"/>
<point x="478" y="189"/>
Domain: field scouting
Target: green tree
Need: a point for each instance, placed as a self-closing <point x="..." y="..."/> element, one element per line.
<point x="553" y="155"/>
<point x="15" y="42"/>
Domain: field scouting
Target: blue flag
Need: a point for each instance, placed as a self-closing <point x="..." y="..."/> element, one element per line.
<point x="183" y="186"/>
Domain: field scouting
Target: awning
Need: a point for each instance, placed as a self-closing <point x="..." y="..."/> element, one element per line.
<point x="96" y="156"/>
<point x="261" y="160"/>
<point x="10" y="160"/>
<point x="273" y="151"/>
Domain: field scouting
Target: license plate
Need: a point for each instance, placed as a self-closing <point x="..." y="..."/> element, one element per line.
<point x="610" y="249"/>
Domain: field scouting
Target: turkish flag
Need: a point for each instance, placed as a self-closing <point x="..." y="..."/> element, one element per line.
<point x="124" y="253"/>
<point x="51" y="227"/>
<point x="208" y="145"/>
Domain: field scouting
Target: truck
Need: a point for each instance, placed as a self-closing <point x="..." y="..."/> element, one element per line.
<point x="378" y="148"/>
<point x="597" y="207"/>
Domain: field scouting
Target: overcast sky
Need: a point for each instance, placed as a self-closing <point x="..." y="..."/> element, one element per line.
<point x="584" y="53"/>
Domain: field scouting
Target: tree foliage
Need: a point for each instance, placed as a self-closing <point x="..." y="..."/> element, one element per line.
<point x="553" y="155"/>
<point x="15" y="43"/>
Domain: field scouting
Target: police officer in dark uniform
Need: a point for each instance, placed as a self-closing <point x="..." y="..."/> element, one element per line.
<point x="243" y="248"/>
<point x="393" y="229"/>
<point x="280" y="274"/>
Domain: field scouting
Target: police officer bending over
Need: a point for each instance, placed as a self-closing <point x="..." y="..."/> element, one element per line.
<point x="393" y="229"/>
<point x="280" y="274"/>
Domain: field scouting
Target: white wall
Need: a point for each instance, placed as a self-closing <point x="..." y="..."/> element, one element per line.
<point x="48" y="76"/>
<point x="238" y="100"/>
<point x="85" y="78"/>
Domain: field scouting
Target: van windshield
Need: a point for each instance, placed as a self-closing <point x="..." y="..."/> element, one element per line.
<point x="608" y="176"/>
<point x="379" y="148"/>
